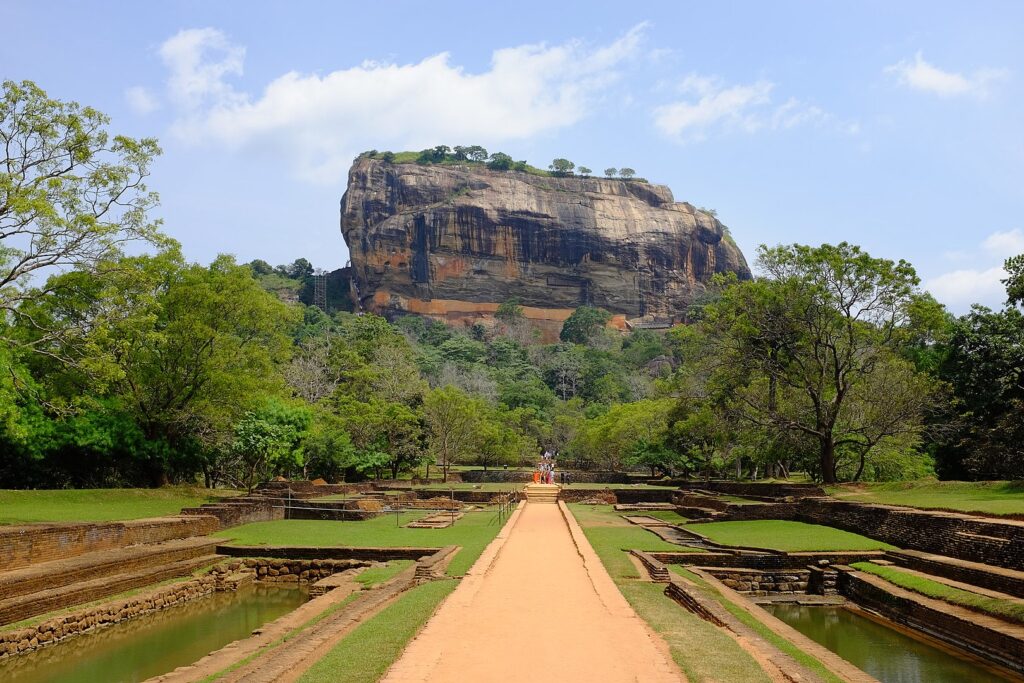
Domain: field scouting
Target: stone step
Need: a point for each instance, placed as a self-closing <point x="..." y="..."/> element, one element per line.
<point x="542" y="493"/>
<point x="96" y="565"/>
<point x="50" y="599"/>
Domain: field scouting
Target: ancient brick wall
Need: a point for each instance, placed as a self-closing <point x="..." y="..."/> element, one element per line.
<point x="752" y="489"/>
<point x="21" y="546"/>
<point x="235" y="512"/>
<point x="994" y="578"/>
<point x="969" y="538"/>
<point x="633" y="496"/>
<point x="522" y="476"/>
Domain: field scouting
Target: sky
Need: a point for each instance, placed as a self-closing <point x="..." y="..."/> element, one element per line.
<point x="895" y="126"/>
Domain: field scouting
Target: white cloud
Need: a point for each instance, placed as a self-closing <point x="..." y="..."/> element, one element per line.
<point x="749" y="108"/>
<point x="141" y="100"/>
<point x="983" y="283"/>
<point x="921" y="75"/>
<point x="1005" y="244"/>
<point x="959" y="289"/>
<point x="199" y="59"/>
<point x="319" y="122"/>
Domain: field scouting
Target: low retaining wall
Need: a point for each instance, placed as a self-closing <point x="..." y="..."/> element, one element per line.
<point x="994" y="578"/>
<point x="326" y="553"/>
<point x="292" y="570"/>
<point x="943" y="624"/>
<point x="634" y="496"/>
<point x="969" y="538"/>
<point x="766" y="562"/>
<point x="54" y="630"/>
<point x="753" y="489"/>
<point x="21" y="546"/>
<point x="524" y="476"/>
<point x="758" y="582"/>
<point x="243" y="511"/>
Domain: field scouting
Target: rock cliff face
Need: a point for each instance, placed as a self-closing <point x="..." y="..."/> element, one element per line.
<point x="455" y="241"/>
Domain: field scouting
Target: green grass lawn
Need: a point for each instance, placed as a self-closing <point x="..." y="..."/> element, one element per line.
<point x="373" y="575"/>
<point x="1003" y="609"/>
<point x="366" y="653"/>
<point x="473" y="532"/>
<point x="101" y="505"/>
<point x="786" y="536"/>
<point x="989" y="497"/>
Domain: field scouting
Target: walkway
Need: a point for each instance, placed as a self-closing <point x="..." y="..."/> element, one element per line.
<point x="543" y="609"/>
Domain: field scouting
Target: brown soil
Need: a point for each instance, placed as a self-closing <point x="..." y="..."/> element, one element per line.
<point x="543" y="610"/>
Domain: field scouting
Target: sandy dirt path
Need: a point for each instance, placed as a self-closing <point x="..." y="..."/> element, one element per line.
<point x="543" y="610"/>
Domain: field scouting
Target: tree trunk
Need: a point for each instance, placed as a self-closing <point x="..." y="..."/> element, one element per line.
<point x="828" y="461"/>
<point x="860" y="468"/>
<point x="739" y="468"/>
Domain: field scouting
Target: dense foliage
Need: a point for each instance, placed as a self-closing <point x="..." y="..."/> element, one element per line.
<point x="143" y="369"/>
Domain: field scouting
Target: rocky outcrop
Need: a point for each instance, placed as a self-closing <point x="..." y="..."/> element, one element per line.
<point x="456" y="241"/>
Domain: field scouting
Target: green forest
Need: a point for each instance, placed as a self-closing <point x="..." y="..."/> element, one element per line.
<point x="124" y="364"/>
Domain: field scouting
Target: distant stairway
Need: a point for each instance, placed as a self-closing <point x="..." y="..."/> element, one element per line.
<point x="542" y="493"/>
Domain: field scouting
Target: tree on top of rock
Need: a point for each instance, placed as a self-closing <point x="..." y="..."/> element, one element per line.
<point x="611" y="172"/>
<point x="584" y="171"/>
<point x="562" y="166"/>
<point x="627" y="173"/>
<point x="499" y="161"/>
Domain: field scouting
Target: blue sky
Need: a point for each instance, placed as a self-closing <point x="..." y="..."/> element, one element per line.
<point x="897" y="126"/>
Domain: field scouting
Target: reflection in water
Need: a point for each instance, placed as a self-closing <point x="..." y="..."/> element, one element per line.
<point x="155" y="643"/>
<point x="885" y="653"/>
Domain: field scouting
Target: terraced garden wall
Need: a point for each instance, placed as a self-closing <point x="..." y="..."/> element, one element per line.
<point x="21" y="546"/>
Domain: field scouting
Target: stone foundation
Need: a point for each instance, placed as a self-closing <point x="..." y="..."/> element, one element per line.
<point x="757" y="582"/>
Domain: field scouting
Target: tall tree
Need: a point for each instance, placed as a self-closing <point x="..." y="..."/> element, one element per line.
<point x="452" y="419"/>
<point x="805" y="348"/>
<point x="71" y="195"/>
<point x="186" y="348"/>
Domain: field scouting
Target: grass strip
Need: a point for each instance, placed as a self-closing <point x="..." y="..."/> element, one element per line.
<point x="987" y="497"/>
<point x="787" y="536"/>
<point x="366" y="653"/>
<point x="373" y="575"/>
<point x="473" y="532"/>
<point x="1002" y="609"/>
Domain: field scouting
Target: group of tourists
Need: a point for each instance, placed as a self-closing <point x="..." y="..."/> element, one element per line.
<point x="545" y="473"/>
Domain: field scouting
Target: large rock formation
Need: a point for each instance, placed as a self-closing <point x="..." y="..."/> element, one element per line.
<point x="455" y="241"/>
